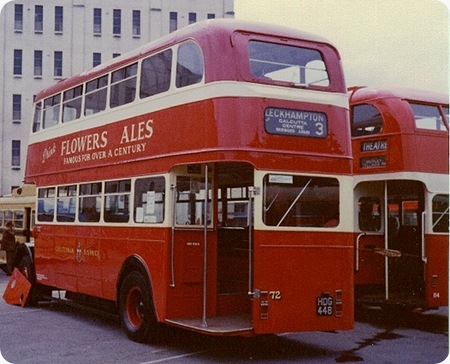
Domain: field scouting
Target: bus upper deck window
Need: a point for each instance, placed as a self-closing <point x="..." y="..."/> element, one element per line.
<point x="446" y="113"/>
<point x="366" y="120"/>
<point x="123" y="86"/>
<point x="428" y="117"/>
<point x="72" y="104"/>
<point x="156" y="74"/>
<point x="295" y="65"/>
<point x="95" y="99"/>
<point x="52" y="106"/>
<point x="37" y="118"/>
<point x="189" y="64"/>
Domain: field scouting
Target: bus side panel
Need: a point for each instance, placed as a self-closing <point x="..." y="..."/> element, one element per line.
<point x="89" y="262"/>
<point x="436" y="270"/>
<point x="369" y="266"/>
<point x="55" y="263"/>
<point x="296" y="275"/>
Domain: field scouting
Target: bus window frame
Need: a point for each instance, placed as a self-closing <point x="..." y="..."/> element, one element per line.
<point x="242" y="40"/>
<point x="377" y="128"/>
<point x="290" y="207"/>
<point x="441" y="113"/>
<point x="441" y="214"/>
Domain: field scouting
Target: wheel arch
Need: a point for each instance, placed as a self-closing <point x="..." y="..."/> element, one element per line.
<point x="137" y="264"/>
<point x="25" y="249"/>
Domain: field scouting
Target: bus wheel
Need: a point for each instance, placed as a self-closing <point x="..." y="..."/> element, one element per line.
<point x="136" y="310"/>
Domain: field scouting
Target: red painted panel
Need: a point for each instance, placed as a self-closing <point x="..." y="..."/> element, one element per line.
<point x="297" y="270"/>
<point x="436" y="270"/>
<point x="370" y="268"/>
<point x="221" y="128"/>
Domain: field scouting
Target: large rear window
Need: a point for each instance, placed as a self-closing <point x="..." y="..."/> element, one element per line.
<point x="285" y="63"/>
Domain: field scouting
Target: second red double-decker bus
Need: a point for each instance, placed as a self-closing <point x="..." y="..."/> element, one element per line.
<point x="200" y="182"/>
<point x="401" y="167"/>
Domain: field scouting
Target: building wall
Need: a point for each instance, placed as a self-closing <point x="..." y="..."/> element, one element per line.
<point x="78" y="40"/>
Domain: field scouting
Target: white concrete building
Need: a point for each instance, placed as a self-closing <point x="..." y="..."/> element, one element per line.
<point x="46" y="41"/>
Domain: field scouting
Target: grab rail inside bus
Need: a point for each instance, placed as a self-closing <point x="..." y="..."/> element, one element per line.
<point x="424" y="258"/>
<point x="172" y="243"/>
<point x="361" y="235"/>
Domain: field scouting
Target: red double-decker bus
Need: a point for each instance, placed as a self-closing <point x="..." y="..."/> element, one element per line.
<point x="199" y="182"/>
<point x="401" y="166"/>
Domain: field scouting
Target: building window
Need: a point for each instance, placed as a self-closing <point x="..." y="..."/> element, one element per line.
<point x="17" y="107"/>
<point x="173" y="25"/>
<point x="18" y="17"/>
<point x="192" y="18"/>
<point x="17" y="61"/>
<point x="97" y="21"/>
<point x="58" y="19"/>
<point x="37" y="63"/>
<point x="211" y="16"/>
<point x="58" y="60"/>
<point x="115" y="55"/>
<point x="96" y="59"/>
<point x="15" y="155"/>
<point x="38" y="18"/>
<point x="136" y="23"/>
<point x="117" y="15"/>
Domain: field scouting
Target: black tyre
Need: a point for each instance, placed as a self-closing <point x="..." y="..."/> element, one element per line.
<point x="136" y="310"/>
<point x="26" y="268"/>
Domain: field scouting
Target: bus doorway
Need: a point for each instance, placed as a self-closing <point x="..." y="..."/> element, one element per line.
<point x="390" y="249"/>
<point x="405" y="205"/>
<point x="210" y="247"/>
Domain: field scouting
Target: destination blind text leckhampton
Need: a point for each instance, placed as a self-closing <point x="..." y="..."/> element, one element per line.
<point x="295" y="122"/>
<point x="295" y="116"/>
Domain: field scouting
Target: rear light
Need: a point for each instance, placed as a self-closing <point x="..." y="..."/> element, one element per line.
<point x="338" y="304"/>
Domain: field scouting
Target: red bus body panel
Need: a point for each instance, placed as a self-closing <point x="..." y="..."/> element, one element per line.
<point x="410" y="153"/>
<point x="220" y="121"/>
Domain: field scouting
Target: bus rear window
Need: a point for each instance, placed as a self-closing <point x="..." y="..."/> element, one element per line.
<point x="366" y="120"/>
<point x="301" y="201"/>
<point x="295" y="65"/>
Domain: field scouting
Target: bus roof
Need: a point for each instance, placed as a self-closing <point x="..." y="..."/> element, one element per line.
<point x="361" y="94"/>
<point x="211" y="29"/>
